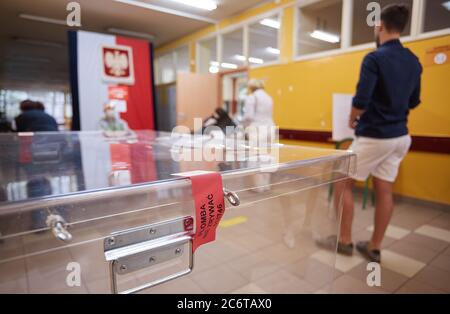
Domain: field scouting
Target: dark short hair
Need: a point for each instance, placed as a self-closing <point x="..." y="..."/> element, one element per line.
<point x="28" y="105"/>
<point x="395" y="17"/>
<point x="40" y="106"/>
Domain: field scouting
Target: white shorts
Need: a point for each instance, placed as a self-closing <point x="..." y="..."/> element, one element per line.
<point x="379" y="157"/>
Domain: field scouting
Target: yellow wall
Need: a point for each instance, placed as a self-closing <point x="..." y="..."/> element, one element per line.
<point x="303" y="90"/>
<point x="302" y="93"/>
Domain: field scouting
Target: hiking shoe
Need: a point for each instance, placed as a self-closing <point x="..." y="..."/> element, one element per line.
<point x="330" y="242"/>
<point x="371" y="255"/>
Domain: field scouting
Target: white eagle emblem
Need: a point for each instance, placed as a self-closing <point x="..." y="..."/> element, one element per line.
<point x="117" y="62"/>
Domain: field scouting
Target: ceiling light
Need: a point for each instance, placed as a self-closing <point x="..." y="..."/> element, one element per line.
<point x="43" y="19"/>
<point x="272" y="50"/>
<point x="131" y="33"/>
<point x="157" y="8"/>
<point x="229" y="66"/>
<point x="215" y="64"/>
<point x="213" y="69"/>
<point x="270" y="23"/>
<point x="255" y="60"/>
<point x="208" y="5"/>
<point x="251" y="59"/>
<point x="324" y="36"/>
<point x="446" y="5"/>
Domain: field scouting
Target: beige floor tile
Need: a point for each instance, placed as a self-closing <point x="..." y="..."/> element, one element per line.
<point x="250" y="289"/>
<point x="283" y="281"/>
<point x="203" y="260"/>
<point x="433" y="232"/>
<point x="447" y="251"/>
<point x="443" y="221"/>
<point x="223" y="250"/>
<point x="341" y="262"/>
<point x="361" y="225"/>
<point x="442" y="262"/>
<point x="426" y="242"/>
<point x="401" y="264"/>
<point x="103" y="286"/>
<point x="415" y="287"/>
<point x="316" y="273"/>
<point x="435" y="277"/>
<point x="390" y="281"/>
<point x="219" y="280"/>
<point x="413" y="251"/>
<point x="179" y="286"/>
<point x="393" y="232"/>
<point x="253" y="242"/>
<point x="347" y="284"/>
<point x="253" y="266"/>
<point x="282" y="255"/>
<point x="414" y="217"/>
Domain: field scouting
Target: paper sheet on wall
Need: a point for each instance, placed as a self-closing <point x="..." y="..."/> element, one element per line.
<point x="342" y="105"/>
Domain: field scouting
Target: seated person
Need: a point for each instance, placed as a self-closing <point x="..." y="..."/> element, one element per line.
<point x="111" y="122"/>
<point x="34" y="118"/>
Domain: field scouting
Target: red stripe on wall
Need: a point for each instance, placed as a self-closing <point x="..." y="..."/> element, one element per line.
<point x="140" y="106"/>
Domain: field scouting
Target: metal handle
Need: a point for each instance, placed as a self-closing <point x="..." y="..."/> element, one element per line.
<point x="59" y="228"/>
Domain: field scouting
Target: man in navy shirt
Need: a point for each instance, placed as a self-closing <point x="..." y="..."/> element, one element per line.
<point x="389" y="87"/>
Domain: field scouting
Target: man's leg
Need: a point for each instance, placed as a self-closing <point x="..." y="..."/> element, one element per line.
<point x="344" y="196"/>
<point x="383" y="212"/>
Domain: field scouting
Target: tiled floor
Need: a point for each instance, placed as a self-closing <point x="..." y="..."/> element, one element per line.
<point x="415" y="256"/>
<point x="269" y="247"/>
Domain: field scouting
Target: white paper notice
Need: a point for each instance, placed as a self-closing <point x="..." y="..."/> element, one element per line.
<point x="342" y="105"/>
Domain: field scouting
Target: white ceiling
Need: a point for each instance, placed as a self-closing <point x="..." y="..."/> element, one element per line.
<point x="16" y="67"/>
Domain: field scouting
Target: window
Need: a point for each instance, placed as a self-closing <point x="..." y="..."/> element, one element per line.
<point x="233" y="50"/>
<point x="58" y="104"/>
<point x="437" y="15"/>
<point x="165" y="69"/>
<point x="182" y="60"/>
<point x="319" y="27"/>
<point x="171" y="63"/>
<point x="207" y="56"/>
<point x="263" y="41"/>
<point x="363" y="33"/>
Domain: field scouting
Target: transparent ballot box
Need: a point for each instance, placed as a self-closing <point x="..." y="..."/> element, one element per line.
<point x="90" y="212"/>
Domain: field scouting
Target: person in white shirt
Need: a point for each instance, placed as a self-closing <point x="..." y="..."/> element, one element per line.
<point x="258" y="114"/>
<point x="260" y="129"/>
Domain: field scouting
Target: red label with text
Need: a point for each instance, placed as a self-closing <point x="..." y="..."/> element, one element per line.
<point x="207" y="191"/>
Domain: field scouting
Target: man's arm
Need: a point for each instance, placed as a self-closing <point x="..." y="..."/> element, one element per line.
<point x="365" y="89"/>
<point x="354" y="117"/>
<point x="415" y="97"/>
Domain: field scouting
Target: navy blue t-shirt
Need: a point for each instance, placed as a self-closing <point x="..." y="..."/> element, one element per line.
<point x="36" y="121"/>
<point x="389" y="87"/>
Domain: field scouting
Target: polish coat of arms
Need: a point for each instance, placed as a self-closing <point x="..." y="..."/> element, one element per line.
<point x="117" y="65"/>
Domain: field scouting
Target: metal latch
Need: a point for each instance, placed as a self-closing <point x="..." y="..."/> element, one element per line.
<point x="143" y="247"/>
<point x="59" y="228"/>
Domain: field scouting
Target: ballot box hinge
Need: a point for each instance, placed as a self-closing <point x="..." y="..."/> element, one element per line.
<point x="145" y="247"/>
